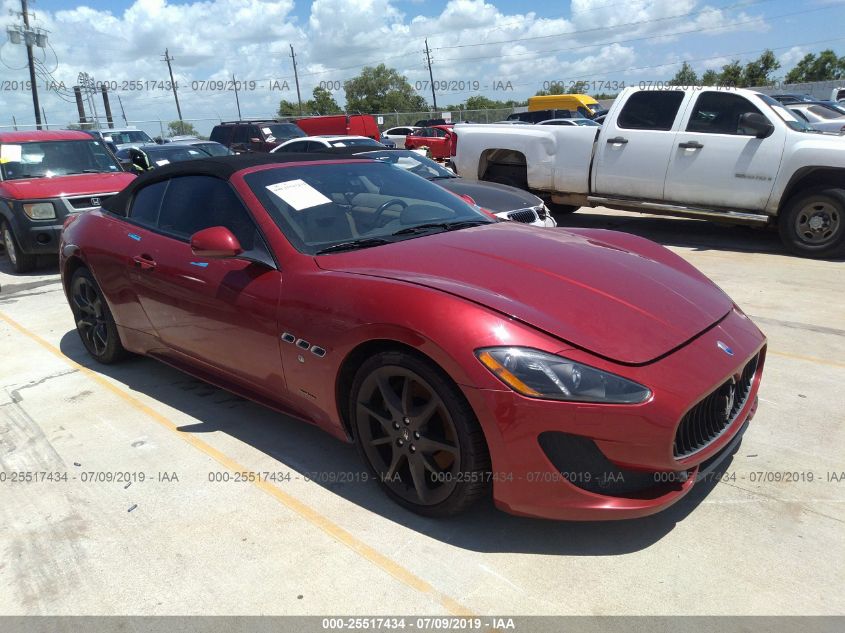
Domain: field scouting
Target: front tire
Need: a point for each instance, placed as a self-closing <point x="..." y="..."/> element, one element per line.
<point x="21" y="262"/>
<point x="94" y="321"/>
<point x="418" y="434"/>
<point x="812" y="223"/>
<point x="558" y="210"/>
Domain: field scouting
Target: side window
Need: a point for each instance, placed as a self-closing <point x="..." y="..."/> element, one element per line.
<point x="146" y="204"/>
<point x="299" y="146"/>
<point x="651" y="110"/>
<point x="193" y="203"/>
<point x="439" y="133"/>
<point x="719" y="113"/>
<point x="240" y="134"/>
<point x="221" y="134"/>
<point x="254" y="132"/>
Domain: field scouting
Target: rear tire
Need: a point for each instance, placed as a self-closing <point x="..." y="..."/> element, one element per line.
<point x="812" y="224"/>
<point x="21" y="262"/>
<point x="418" y="434"/>
<point x="94" y="321"/>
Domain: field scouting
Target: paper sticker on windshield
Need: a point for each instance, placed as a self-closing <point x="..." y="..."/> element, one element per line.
<point x="298" y="194"/>
<point x="162" y="162"/>
<point x="10" y="153"/>
<point x="267" y="131"/>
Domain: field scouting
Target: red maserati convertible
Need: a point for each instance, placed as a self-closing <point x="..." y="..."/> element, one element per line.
<point x="572" y="374"/>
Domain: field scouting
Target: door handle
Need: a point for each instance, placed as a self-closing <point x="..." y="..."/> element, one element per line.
<point x="617" y="140"/>
<point x="144" y="262"/>
<point x="690" y="145"/>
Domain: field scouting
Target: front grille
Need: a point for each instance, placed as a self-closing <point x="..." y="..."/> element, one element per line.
<point x="708" y="419"/>
<point x="526" y="216"/>
<point x="88" y="202"/>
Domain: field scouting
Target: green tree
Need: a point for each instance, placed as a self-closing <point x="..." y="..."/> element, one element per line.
<point x="381" y="89"/>
<point x="553" y="89"/>
<point x="322" y="102"/>
<point x="288" y="108"/>
<point x="824" y="67"/>
<point x="686" y="76"/>
<point x="179" y="128"/>
<point x="731" y="74"/>
<point x="710" y="78"/>
<point x="759" y="71"/>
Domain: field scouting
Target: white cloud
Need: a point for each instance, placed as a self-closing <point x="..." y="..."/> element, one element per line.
<point x="211" y="39"/>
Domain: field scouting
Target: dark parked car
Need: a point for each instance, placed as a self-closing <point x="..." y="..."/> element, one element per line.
<point x="140" y="159"/>
<point x="535" y="116"/>
<point x="244" y="137"/>
<point x="572" y="374"/>
<point x="506" y="202"/>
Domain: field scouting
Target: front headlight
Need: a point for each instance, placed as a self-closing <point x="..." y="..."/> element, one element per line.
<point x="539" y="374"/>
<point x="40" y="210"/>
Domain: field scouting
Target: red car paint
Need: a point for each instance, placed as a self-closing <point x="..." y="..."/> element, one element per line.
<point x="341" y="124"/>
<point x="42" y="236"/>
<point x="613" y="301"/>
<point x="439" y="139"/>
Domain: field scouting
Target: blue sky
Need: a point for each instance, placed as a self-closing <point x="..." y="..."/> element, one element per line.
<point x="515" y="46"/>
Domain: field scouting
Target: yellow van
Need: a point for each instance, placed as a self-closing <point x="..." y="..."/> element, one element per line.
<point x="584" y="104"/>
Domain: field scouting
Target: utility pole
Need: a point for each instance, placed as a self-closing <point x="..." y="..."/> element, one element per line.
<point x="29" y="37"/>
<point x="107" y="105"/>
<point x="80" y="107"/>
<point x="430" y="75"/>
<point x="296" y="77"/>
<point x="237" y="101"/>
<point x="168" y="59"/>
<point x="44" y="115"/>
<point x="120" y="101"/>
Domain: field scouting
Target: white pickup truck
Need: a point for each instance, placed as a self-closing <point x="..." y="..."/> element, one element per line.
<point x="728" y="155"/>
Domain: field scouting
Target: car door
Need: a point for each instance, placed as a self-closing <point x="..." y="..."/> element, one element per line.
<point x="240" y="139"/>
<point x="220" y="313"/>
<point x="715" y="162"/>
<point x="439" y="143"/>
<point x="635" y="146"/>
<point x="419" y="138"/>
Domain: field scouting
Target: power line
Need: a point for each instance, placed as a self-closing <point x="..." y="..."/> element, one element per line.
<point x="608" y="28"/>
<point x="643" y="38"/>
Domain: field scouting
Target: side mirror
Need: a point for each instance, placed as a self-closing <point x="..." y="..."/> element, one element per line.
<point x="216" y="242"/>
<point x="127" y="164"/>
<point x="757" y="124"/>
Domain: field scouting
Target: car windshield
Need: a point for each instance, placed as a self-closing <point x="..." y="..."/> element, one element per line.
<point x="354" y="142"/>
<point x="786" y="115"/>
<point x="413" y="162"/>
<point x="282" y="130"/>
<point x="169" y="154"/>
<point x="824" y="112"/>
<point x="128" y="136"/>
<point x="49" y="159"/>
<point x="323" y="208"/>
<point x="214" y="149"/>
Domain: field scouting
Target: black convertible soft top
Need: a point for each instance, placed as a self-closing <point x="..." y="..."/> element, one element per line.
<point x="216" y="166"/>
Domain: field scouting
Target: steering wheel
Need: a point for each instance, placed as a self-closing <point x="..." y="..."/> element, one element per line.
<point x="382" y="208"/>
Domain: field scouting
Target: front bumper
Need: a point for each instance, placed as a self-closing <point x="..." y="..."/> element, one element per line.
<point x="42" y="237"/>
<point x="547" y="456"/>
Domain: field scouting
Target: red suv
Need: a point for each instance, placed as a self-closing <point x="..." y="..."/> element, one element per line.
<point x="437" y="138"/>
<point x="45" y="177"/>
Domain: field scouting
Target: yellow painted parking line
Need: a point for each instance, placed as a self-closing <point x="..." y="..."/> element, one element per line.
<point x="308" y="513"/>
<point x="806" y="359"/>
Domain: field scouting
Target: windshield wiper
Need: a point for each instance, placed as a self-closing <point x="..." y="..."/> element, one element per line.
<point x="446" y="226"/>
<point x="85" y="171"/>
<point x="353" y="244"/>
<point x="442" y="177"/>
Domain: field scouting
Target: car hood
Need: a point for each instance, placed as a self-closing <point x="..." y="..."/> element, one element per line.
<point x="60" y="186"/>
<point x="490" y="195"/>
<point x="591" y="294"/>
